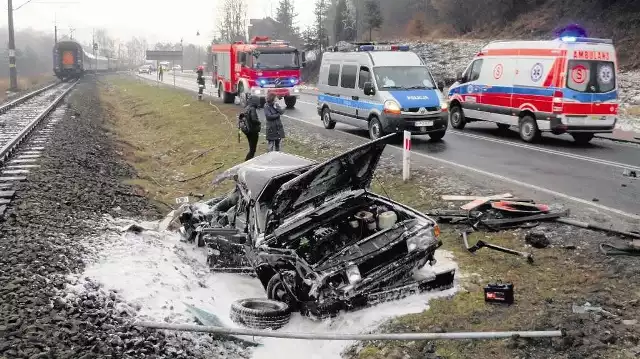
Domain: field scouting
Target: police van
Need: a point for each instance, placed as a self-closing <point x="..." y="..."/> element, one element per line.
<point x="381" y="88"/>
<point x="566" y="85"/>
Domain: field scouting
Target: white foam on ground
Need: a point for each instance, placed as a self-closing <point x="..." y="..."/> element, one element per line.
<point x="157" y="273"/>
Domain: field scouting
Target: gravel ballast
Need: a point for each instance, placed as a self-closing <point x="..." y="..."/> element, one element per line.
<point x="41" y="248"/>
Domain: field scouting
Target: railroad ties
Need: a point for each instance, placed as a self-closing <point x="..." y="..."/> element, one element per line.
<point x="22" y="139"/>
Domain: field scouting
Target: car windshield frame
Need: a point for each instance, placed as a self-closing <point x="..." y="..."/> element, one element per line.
<point x="406" y="86"/>
<point x="594" y="83"/>
<point x="271" y="57"/>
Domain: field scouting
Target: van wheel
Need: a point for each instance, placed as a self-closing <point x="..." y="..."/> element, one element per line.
<point x="582" y="138"/>
<point x="375" y="129"/>
<point x="437" y="136"/>
<point x="328" y="123"/>
<point x="456" y="118"/>
<point x="528" y="129"/>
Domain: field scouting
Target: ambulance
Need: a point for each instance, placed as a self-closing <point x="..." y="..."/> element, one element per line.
<point x="566" y="85"/>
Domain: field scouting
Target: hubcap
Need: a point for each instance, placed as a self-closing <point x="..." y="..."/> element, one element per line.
<point x="326" y="118"/>
<point x="455" y="117"/>
<point x="527" y="129"/>
<point x="375" y="130"/>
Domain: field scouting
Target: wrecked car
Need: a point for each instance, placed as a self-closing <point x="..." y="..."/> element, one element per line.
<point x="314" y="235"/>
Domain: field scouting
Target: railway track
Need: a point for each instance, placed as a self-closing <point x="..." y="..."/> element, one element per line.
<point x="19" y="119"/>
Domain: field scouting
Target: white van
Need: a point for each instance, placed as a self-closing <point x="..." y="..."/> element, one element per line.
<point x="567" y="85"/>
<point x="381" y="88"/>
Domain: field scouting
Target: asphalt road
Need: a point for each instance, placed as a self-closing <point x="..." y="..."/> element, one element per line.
<point x="591" y="175"/>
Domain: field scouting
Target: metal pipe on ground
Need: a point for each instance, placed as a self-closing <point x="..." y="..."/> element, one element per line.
<point x="347" y="336"/>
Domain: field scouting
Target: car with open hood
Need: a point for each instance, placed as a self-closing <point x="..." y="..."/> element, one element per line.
<point x="314" y="234"/>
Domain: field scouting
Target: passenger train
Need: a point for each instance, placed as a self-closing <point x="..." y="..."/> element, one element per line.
<point x="70" y="60"/>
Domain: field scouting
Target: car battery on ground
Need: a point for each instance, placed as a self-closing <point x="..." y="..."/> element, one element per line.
<point x="499" y="293"/>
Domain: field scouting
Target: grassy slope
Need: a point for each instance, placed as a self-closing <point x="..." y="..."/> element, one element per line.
<point x="24" y="83"/>
<point x="161" y="130"/>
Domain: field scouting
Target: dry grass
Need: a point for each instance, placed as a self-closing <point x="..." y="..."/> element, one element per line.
<point x="633" y="111"/>
<point x="24" y="83"/>
<point x="163" y="134"/>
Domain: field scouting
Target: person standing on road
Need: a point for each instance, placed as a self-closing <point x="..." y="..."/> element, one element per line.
<point x="160" y="71"/>
<point x="275" y="129"/>
<point x="254" y="125"/>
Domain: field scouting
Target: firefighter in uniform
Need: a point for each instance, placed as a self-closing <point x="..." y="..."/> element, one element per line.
<point x="200" y="81"/>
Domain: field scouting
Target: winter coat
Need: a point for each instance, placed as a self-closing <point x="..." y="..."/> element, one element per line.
<point x="253" y="121"/>
<point x="200" y="80"/>
<point x="275" y="129"/>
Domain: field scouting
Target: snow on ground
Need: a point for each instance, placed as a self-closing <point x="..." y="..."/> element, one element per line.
<point x="157" y="274"/>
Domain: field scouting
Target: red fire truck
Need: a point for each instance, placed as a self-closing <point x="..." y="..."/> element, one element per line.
<point x="257" y="68"/>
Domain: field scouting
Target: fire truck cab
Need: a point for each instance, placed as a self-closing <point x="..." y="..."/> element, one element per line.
<point x="255" y="69"/>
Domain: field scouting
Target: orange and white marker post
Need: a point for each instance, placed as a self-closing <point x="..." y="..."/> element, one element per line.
<point x="406" y="156"/>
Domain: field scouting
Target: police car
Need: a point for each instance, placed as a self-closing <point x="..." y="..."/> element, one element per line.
<point x="381" y="88"/>
<point x="566" y="85"/>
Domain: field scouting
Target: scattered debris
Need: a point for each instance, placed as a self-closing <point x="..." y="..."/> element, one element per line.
<point x="587" y="307"/>
<point x="630" y="173"/>
<point x="632" y="249"/>
<point x="473" y="198"/>
<point x="480" y="244"/>
<point x="592" y="226"/>
<point x="134" y="228"/>
<point x="537" y="239"/>
<point x="499" y="293"/>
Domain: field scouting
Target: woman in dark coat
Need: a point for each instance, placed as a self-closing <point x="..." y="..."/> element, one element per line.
<point x="274" y="128"/>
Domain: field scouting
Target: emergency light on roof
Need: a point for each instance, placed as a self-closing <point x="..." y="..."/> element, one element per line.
<point x="384" y="48"/>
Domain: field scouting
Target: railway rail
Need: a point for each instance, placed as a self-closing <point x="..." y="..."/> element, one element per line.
<point x="18" y="120"/>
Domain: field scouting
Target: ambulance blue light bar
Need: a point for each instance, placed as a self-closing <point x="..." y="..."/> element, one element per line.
<point x="585" y="40"/>
<point x="384" y="48"/>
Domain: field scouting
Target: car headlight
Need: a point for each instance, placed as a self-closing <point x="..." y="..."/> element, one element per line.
<point x="353" y="274"/>
<point x="421" y="240"/>
<point x="257" y="92"/>
<point x="392" y="107"/>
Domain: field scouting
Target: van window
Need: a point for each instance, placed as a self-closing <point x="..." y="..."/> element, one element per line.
<point x="591" y="76"/>
<point x="365" y="76"/>
<point x="475" y="70"/>
<point x="334" y="75"/>
<point x="348" y="79"/>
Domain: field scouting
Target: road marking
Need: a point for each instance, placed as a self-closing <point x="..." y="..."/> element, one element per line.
<point x="489" y="174"/>
<point x="538" y="149"/>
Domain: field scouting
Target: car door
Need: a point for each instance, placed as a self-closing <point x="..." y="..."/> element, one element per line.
<point x="471" y="90"/>
<point x="364" y="106"/>
<point x="349" y="94"/>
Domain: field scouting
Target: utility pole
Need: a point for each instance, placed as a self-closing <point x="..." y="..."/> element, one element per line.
<point x="71" y="30"/>
<point x="13" y="73"/>
<point x="55" y="28"/>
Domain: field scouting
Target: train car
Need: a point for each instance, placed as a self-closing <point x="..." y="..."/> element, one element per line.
<point x="70" y="60"/>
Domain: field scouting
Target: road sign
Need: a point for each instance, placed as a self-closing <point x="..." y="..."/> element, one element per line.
<point x="161" y="55"/>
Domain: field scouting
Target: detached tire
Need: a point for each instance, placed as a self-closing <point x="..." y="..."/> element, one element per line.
<point x="259" y="313"/>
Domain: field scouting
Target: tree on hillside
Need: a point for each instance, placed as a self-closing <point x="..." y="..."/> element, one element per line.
<point x="416" y="26"/>
<point x="286" y="17"/>
<point x="321" y="11"/>
<point x="233" y="22"/>
<point x="372" y="18"/>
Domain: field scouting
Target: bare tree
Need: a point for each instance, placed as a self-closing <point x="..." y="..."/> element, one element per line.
<point x="233" y="20"/>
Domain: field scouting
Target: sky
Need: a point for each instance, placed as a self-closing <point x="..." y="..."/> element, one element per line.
<point x="157" y="21"/>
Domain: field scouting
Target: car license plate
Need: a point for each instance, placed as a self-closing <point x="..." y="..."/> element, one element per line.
<point x="424" y="123"/>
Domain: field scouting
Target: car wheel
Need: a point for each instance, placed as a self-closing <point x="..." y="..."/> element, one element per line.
<point x="259" y="313"/>
<point x="326" y="119"/>
<point x="582" y="138"/>
<point x="528" y="129"/>
<point x="290" y="101"/>
<point x="456" y="118"/>
<point x="503" y="126"/>
<point x="277" y="291"/>
<point x="375" y="129"/>
<point x="437" y="136"/>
